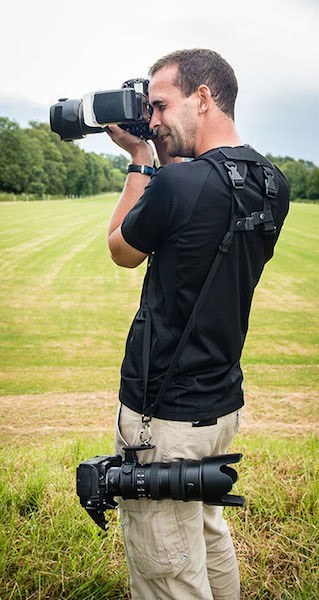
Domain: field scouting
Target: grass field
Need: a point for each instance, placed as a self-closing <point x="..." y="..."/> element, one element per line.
<point x="65" y="310"/>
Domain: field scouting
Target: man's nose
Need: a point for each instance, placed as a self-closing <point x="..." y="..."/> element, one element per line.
<point x="155" y="121"/>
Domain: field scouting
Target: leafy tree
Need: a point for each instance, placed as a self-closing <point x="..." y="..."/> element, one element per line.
<point x="55" y="172"/>
<point x="279" y="160"/>
<point x="308" y="164"/>
<point x="302" y="174"/>
<point x="297" y="174"/>
<point x="37" y="188"/>
<point x="75" y="165"/>
<point x="8" y="125"/>
<point x="117" y="180"/>
<point x="313" y="184"/>
<point x="119" y="162"/>
<point x="35" y="161"/>
<point x="18" y="157"/>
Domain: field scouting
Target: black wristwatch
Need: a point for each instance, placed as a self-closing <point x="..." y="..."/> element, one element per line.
<point x="144" y="169"/>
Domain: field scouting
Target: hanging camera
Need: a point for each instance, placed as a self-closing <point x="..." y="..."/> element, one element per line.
<point x="103" y="477"/>
<point x="128" y="107"/>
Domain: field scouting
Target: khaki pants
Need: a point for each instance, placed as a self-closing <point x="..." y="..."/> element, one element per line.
<point x="178" y="550"/>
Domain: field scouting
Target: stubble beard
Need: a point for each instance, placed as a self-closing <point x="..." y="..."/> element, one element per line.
<point x="182" y="143"/>
<point x="177" y="146"/>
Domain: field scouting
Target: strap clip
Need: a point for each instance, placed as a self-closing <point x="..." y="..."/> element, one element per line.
<point x="235" y="176"/>
<point x="145" y="433"/>
<point x="271" y="190"/>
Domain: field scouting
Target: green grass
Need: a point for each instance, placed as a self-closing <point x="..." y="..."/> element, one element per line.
<point x="65" y="307"/>
<point x="51" y="549"/>
<point x="64" y="311"/>
<point x="284" y="320"/>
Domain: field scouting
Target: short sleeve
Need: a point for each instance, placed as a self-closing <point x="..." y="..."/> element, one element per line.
<point x="144" y="225"/>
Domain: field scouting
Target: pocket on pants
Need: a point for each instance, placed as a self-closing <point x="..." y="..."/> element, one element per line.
<point x="132" y="425"/>
<point x="153" y="539"/>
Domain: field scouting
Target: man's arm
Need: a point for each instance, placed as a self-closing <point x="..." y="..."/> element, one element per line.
<point x="122" y="253"/>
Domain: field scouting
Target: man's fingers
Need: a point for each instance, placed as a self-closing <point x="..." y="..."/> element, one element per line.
<point x="110" y="129"/>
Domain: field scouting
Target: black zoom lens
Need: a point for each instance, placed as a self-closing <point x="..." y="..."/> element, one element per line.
<point x="209" y="480"/>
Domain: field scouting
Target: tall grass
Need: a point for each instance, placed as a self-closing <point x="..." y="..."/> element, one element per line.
<point x="64" y="313"/>
<point x="51" y="548"/>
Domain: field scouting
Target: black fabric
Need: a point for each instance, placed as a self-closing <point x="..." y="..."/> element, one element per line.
<point x="182" y="217"/>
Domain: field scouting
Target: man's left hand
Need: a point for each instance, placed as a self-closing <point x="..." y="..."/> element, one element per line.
<point x="140" y="151"/>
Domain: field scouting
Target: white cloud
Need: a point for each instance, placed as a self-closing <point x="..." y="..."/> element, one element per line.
<point x="47" y="47"/>
<point x="51" y="50"/>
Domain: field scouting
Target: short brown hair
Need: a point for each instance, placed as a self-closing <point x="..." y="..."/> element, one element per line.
<point x="199" y="66"/>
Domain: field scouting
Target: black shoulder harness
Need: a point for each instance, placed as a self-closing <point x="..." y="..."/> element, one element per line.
<point x="236" y="163"/>
<point x="233" y="169"/>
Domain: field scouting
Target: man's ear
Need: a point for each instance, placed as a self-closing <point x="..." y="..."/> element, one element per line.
<point x="204" y="98"/>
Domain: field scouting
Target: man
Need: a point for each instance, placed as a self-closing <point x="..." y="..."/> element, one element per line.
<point x="178" y="550"/>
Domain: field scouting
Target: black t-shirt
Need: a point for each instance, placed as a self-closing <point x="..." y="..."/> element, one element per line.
<point x="182" y="218"/>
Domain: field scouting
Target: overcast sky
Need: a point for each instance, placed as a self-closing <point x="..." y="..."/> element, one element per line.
<point x="50" y="50"/>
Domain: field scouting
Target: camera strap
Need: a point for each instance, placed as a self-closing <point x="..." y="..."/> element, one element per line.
<point x="240" y="221"/>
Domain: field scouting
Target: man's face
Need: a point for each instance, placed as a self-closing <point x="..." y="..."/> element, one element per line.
<point x="175" y="116"/>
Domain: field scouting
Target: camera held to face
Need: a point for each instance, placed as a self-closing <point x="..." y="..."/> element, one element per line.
<point x="103" y="477"/>
<point x="128" y="107"/>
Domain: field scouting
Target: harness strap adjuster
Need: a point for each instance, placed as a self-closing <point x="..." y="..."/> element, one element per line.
<point x="226" y="243"/>
<point x="269" y="229"/>
<point x="249" y="223"/>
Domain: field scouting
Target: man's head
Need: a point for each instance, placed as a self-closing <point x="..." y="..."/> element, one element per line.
<point x="200" y="66"/>
<point x="184" y="86"/>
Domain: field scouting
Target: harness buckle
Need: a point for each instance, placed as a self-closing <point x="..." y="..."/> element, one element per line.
<point x="235" y="176"/>
<point x="271" y="190"/>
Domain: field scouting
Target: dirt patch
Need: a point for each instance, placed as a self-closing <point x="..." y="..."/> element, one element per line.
<point x="286" y="413"/>
<point x="55" y="415"/>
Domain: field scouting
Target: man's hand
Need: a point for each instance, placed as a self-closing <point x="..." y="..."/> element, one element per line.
<point x="140" y="151"/>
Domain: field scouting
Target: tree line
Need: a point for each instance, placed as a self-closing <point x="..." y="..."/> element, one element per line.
<point x="34" y="161"/>
<point x="303" y="177"/>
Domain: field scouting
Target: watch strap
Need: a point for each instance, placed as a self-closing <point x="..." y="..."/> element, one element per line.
<point x="144" y="169"/>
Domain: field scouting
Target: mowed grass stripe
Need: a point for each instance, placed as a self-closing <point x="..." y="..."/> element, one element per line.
<point x="65" y="307"/>
<point x="65" y="310"/>
<point x="284" y="323"/>
<point x="64" y="303"/>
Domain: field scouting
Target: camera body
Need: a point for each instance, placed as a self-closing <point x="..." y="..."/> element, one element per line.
<point x="101" y="478"/>
<point x="127" y="107"/>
